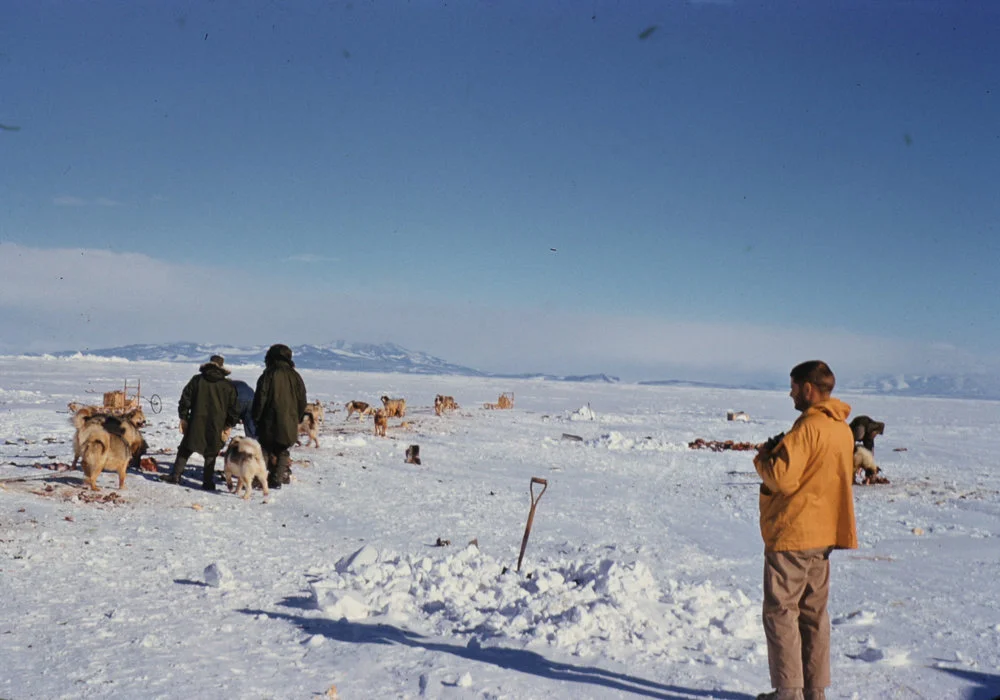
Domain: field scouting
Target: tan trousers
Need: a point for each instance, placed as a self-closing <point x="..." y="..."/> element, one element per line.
<point x="796" y="623"/>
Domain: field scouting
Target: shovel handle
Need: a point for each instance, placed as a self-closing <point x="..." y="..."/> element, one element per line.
<point x="531" y="490"/>
<point x="531" y="514"/>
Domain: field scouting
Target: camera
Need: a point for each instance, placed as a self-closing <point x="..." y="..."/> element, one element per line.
<point x="773" y="441"/>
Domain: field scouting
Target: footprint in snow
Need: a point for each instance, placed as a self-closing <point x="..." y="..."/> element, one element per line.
<point x="858" y="617"/>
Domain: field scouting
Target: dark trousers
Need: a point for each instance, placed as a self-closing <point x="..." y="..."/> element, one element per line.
<point x="208" y="471"/>
<point x="796" y="622"/>
<point x="249" y="427"/>
<point x="279" y="464"/>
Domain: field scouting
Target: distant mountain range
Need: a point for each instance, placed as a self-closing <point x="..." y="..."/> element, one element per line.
<point x="957" y="386"/>
<point x="389" y="357"/>
<point x="339" y="355"/>
<point x="769" y="386"/>
<point x="954" y="386"/>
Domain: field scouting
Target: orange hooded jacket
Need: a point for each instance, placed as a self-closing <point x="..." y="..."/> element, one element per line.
<point x="806" y="501"/>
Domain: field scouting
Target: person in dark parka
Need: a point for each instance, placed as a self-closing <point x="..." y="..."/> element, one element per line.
<point x="208" y="407"/>
<point x="244" y="394"/>
<point x="279" y="404"/>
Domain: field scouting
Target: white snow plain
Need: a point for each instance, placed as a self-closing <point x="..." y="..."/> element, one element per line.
<point x="641" y="577"/>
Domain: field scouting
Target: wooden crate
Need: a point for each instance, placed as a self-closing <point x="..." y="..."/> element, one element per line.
<point x="114" y="400"/>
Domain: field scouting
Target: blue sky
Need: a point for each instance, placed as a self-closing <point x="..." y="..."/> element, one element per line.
<point x="744" y="186"/>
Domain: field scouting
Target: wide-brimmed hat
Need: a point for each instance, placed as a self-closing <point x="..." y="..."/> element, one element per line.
<point x="218" y="361"/>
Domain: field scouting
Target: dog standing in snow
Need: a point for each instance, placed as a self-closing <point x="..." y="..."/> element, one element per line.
<point x="107" y="443"/>
<point x="381" y="422"/>
<point x="359" y="407"/>
<point x="245" y="461"/>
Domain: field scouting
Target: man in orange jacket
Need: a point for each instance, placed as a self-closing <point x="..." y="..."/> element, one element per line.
<point x="806" y="510"/>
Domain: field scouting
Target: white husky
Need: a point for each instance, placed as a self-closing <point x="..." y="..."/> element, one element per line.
<point x="245" y="461"/>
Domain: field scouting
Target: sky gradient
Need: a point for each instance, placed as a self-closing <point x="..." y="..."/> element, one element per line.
<point x="728" y="187"/>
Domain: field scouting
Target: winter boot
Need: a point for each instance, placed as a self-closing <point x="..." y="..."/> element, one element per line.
<point x="273" y="482"/>
<point x="782" y="694"/>
<point x="174" y="477"/>
<point x="208" y="475"/>
<point x="285" y="467"/>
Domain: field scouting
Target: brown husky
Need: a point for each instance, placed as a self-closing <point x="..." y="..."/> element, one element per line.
<point x="312" y="421"/>
<point x="109" y="443"/>
<point x="84" y="415"/>
<point x="359" y="407"/>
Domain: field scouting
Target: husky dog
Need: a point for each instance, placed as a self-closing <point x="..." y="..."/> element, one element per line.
<point x="83" y="415"/>
<point x="311" y="422"/>
<point x="359" y="407"/>
<point x="444" y="403"/>
<point x="394" y="407"/>
<point x="316" y="408"/>
<point x="381" y="422"/>
<point x="245" y="461"/>
<point x="108" y="443"/>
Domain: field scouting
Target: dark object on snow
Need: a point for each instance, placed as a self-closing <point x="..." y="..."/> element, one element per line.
<point x="721" y="445"/>
<point x="442" y="543"/>
<point x="570" y="436"/>
<point x="866" y="430"/>
<point x="413" y="454"/>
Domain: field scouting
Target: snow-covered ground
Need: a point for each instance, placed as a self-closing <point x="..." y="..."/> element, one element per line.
<point x="641" y="576"/>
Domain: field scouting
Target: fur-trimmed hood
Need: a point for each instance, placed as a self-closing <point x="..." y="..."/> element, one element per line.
<point x="212" y="372"/>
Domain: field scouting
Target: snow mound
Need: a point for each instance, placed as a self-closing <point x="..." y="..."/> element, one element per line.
<point x="616" y="441"/>
<point x="583" y="413"/>
<point x="351" y="441"/>
<point x="81" y="356"/>
<point x="218" y="575"/>
<point x="21" y="396"/>
<point x="585" y="607"/>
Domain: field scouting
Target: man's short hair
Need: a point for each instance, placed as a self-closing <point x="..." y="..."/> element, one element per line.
<point x="817" y="373"/>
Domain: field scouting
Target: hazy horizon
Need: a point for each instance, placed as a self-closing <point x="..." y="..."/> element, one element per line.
<point x="633" y="188"/>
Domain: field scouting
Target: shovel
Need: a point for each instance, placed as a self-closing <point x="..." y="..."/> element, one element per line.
<point x="531" y="514"/>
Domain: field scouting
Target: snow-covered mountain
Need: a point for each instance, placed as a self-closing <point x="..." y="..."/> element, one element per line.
<point x="389" y="357"/>
<point x="338" y="355"/>
<point x="955" y="386"/>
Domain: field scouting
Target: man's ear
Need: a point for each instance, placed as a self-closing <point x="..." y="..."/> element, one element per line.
<point x="810" y="391"/>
